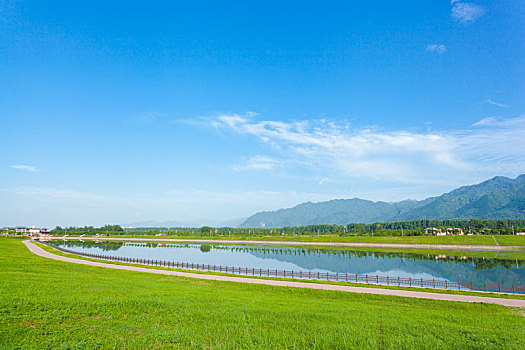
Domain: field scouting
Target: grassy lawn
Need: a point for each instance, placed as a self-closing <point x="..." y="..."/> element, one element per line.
<point x="51" y="304"/>
<point x="460" y="240"/>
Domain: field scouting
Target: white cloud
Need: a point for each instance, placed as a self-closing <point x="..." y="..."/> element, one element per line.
<point x="485" y="121"/>
<point x="25" y="167"/>
<point x="151" y="117"/>
<point x="399" y="155"/>
<point x="465" y="12"/>
<point x="258" y="163"/>
<point x="497" y="104"/>
<point x="322" y="181"/>
<point x="495" y="146"/>
<point x="439" y="48"/>
<point x="356" y="152"/>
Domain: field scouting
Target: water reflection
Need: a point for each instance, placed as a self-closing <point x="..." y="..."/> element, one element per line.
<point x="393" y="264"/>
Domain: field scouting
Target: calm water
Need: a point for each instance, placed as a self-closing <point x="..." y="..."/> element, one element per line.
<point x="426" y="266"/>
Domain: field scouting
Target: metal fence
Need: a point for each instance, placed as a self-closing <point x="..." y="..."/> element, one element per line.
<point x="327" y="276"/>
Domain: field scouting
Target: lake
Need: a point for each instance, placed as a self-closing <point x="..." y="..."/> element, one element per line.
<point x="393" y="264"/>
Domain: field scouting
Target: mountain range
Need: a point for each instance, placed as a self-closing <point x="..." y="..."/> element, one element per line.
<point x="497" y="198"/>
<point x="188" y="223"/>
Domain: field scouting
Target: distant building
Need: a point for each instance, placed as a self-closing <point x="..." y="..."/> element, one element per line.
<point x="38" y="231"/>
<point x="433" y="231"/>
<point x="33" y="231"/>
<point x="449" y="231"/>
<point x="454" y="231"/>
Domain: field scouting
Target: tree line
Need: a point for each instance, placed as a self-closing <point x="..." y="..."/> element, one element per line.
<point x="87" y="230"/>
<point x="398" y="228"/>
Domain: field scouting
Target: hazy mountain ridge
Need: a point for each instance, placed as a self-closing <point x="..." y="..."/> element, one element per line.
<point x="188" y="223"/>
<point x="497" y="198"/>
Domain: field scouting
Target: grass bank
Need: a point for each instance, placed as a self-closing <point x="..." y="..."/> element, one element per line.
<point x="52" y="304"/>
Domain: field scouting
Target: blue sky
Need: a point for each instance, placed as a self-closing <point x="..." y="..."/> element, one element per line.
<point x="118" y="112"/>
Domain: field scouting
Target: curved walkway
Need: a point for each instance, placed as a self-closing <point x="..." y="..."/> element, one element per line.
<point x="402" y="293"/>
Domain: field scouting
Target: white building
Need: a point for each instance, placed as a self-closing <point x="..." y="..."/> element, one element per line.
<point x="33" y="231"/>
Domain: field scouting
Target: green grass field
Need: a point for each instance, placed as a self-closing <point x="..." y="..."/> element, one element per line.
<point x="460" y="240"/>
<point x="51" y="304"/>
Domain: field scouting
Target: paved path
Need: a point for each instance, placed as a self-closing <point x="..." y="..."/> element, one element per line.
<point x="311" y="243"/>
<point x="402" y="293"/>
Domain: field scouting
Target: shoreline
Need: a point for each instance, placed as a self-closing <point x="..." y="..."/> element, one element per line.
<point x="471" y="247"/>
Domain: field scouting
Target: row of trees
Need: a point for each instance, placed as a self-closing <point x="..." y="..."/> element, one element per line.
<point x="504" y="226"/>
<point x="406" y="228"/>
<point x="89" y="230"/>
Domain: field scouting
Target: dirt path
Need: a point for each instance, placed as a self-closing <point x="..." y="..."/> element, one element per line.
<point x="403" y="293"/>
<point x="310" y="243"/>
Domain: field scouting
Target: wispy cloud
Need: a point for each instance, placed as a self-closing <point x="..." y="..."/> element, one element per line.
<point x="465" y="12"/>
<point x="151" y="117"/>
<point x="439" y="48"/>
<point x="356" y="152"/>
<point x="258" y="163"/>
<point x="517" y="123"/>
<point x="496" y="145"/>
<point x="399" y="155"/>
<point x="485" y="121"/>
<point x="322" y="181"/>
<point x="24" y="167"/>
<point x="497" y="104"/>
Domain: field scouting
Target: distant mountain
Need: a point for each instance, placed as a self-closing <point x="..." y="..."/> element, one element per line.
<point x="189" y="223"/>
<point x="337" y="211"/>
<point x="497" y="198"/>
<point x="153" y="223"/>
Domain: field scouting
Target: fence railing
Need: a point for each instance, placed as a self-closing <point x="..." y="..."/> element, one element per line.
<point x="327" y="276"/>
